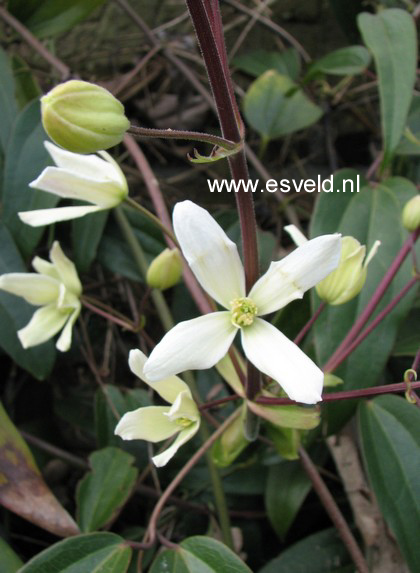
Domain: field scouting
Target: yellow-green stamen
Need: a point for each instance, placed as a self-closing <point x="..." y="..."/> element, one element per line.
<point x="243" y="311"/>
<point x="183" y="422"/>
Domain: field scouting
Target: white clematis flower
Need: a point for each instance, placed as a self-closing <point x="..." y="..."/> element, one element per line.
<point x="96" y="179"/>
<point x="157" y="423"/>
<point x="56" y="288"/>
<point x="201" y="342"/>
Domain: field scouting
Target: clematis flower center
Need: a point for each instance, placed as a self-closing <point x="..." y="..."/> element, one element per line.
<point x="243" y="311"/>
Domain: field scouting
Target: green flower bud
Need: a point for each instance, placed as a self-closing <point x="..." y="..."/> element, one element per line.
<point x="83" y="117"/>
<point x="165" y="270"/>
<point x="348" y="279"/>
<point x="411" y="214"/>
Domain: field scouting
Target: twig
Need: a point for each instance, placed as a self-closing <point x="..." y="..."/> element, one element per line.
<point x="333" y="511"/>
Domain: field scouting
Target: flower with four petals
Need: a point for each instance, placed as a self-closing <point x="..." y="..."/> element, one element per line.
<point x="157" y="423"/>
<point x="201" y="342"/>
<point x="56" y="288"/>
<point x="96" y="179"/>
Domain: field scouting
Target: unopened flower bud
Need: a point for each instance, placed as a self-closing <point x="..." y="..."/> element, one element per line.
<point x="411" y="214"/>
<point x="165" y="270"/>
<point x="83" y="117"/>
<point x="348" y="279"/>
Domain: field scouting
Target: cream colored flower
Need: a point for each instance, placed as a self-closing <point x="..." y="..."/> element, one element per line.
<point x="157" y="423"/>
<point x="96" y="179"/>
<point x="56" y="288"/>
<point x="202" y="342"/>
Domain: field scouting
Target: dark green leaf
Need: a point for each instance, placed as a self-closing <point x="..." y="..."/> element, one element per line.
<point x="374" y="213"/>
<point x="9" y="561"/>
<point x="410" y="141"/>
<point x="16" y="313"/>
<point x="390" y="435"/>
<point x="391" y="37"/>
<point x="26" y="157"/>
<point x="8" y="107"/>
<point x="102" y="492"/>
<point x="53" y="17"/>
<point x="87" y="233"/>
<point x="408" y="337"/>
<point x="274" y="106"/>
<point x="343" y="62"/>
<point x="322" y="552"/>
<point x="22" y="489"/>
<point x="259" y="61"/>
<point x="93" y="552"/>
<point x="27" y="87"/>
<point x="199" y="555"/>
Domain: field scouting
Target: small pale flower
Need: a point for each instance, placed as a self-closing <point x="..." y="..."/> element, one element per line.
<point x="349" y="277"/>
<point x="56" y="288"/>
<point x="157" y="423"/>
<point x="201" y="342"/>
<point x="96" y="179"/>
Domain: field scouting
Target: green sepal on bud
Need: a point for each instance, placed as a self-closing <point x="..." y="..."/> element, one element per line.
<point x="348" y="279"/>
<point x="411" y="214"/>
<point x="83" y="117"/>
<point x="165" y="270"/>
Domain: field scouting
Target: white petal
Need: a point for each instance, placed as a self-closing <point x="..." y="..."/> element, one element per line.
<point x="44" y="324"/>
<point x="71" y="185"/>
<point x="44" y="267"/>
<point x="64" y="341"/>
<point x="42" y="217"/>
<point x="278" y="357"/>
<point x="289" y="278"/>
<point x="65" y="268"/>
<point x="149" y="423"/>
<point x="163" y="458"/>
<point x="90" y="166"/>
<point x="184" y="407"/>
<point x="35" y="289"/>
<point x="212" y="256"/>
<point x="168" y="389"/>
<point x="296" y="235"/>
<point x="194" y="344"/>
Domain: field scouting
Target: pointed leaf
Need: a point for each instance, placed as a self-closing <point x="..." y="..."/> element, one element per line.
<point x="390" y="433"/>
<point x="322" y="552"/>
<point x="391" y="37"/>
<point x="199" y="554"/>
<point x="25" y="159"/>
<point x="102" y="492"/>
<point x="274" y="106"/>
<point x="343" y="62"/>
<point x="94" y="552"/>
<point x="257" y="62"/>
<point x="22" y="489"/>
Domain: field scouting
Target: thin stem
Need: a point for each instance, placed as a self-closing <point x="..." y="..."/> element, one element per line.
<point x="108" y="315"/>
<point x="151" y="531"/>
<point x="344" y="395"/>
<point x="139" y="256"/>
<point x="309" y="324"/>
<point x="375" y="300"/>
<point x="156" y="196"/>
<point x="152" y="218"/>
<point x="63" y="70"/>
<point x="184" y="135"/>
<point x="333" y="511"/>
<point x="383" y="314"/>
